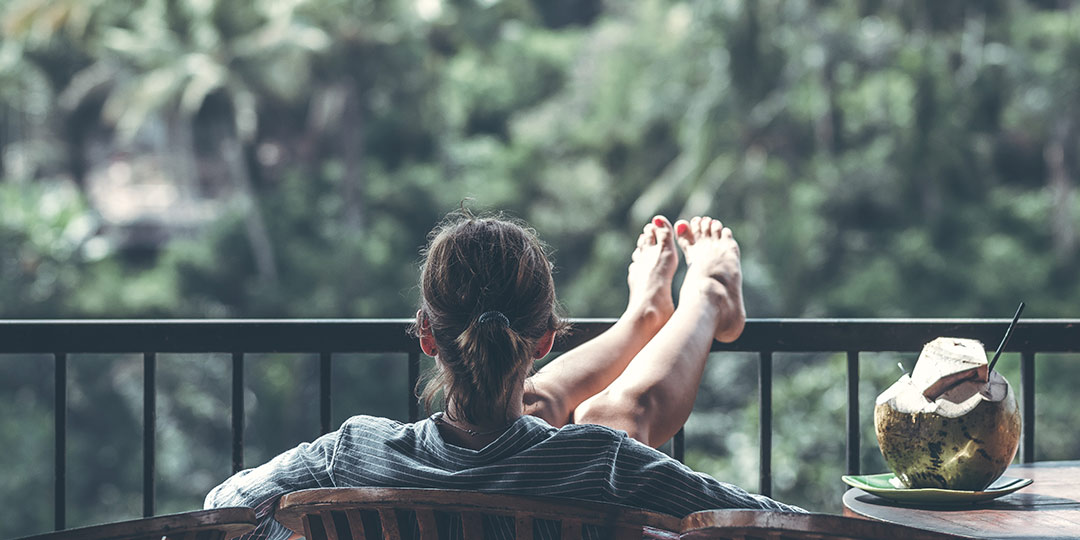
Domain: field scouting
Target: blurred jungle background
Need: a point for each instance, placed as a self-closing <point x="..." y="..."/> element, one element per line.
<point x="286" y="158"/>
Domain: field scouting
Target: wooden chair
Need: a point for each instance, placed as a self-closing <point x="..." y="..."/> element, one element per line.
<point x="759" y="524"/>
<point x="431" y="514"/>
<point x="217" y="524"/>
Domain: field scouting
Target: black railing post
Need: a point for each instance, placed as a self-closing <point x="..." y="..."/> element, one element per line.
<point x="414" y="379"/>
<point x="765" y="426"/>
<point x="237" y="412"/>
<point x="149" y="430"/>
<point x="325" y="370"/>
<point x="1027" y="389"/>
<point x="853" y="412"/>
<point x="60" y="424"/>
<point x="678" y="445"/>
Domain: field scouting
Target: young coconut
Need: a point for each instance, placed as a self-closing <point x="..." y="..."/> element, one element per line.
<point x="950" y="424"/>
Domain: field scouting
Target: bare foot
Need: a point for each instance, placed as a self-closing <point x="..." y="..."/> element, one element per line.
<point x="714" y="271"/>
<point x="652" y="268"/>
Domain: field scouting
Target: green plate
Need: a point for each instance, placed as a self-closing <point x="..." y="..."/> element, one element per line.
<point x="889" y="487"/>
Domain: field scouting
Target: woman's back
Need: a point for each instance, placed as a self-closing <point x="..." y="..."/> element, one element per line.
<point x="586" y="462"/>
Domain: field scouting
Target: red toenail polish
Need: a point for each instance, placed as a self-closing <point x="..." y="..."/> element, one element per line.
<point x="681" y="228"/>
<point x="658" y="222"/>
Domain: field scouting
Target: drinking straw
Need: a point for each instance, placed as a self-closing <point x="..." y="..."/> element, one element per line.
<point x="1008" y="334"/>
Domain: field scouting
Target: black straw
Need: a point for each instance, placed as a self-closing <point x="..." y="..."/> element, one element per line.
<point x="1008" y="334"/>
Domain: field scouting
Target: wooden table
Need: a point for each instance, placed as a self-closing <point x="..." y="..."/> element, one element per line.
<point x="1048" y="508"/>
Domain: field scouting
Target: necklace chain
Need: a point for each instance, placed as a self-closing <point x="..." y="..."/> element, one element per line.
<point x="472" y="432"/>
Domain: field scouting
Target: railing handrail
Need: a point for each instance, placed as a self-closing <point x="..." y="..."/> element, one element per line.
<point x="389" y="335"/>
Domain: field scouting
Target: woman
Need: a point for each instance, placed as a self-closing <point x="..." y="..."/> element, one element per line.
<point x="582" y="427"/>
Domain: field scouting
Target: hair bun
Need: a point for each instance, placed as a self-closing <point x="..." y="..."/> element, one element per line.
<point x="496" y="316"/>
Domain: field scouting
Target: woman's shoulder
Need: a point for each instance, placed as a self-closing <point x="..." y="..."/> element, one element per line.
<point x="594" y="432"/>
<point x="363" y="420"/>
<point x="369" y="426"/>
<point x="625" y="446"/>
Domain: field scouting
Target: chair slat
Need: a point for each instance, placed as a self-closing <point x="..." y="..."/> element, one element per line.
<point x="356" y="524"/>
<point x="425" y="520"/>
<point x="329" y="525"/>
<point x="388" y="520"/>
<point x="571" y="529"/>
<point x="472" y="526"/>
<point x="307" y="525"/>
<point x="523" y="527"/>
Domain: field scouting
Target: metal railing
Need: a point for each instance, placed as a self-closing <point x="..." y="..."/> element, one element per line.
<point x="329" y="336"/>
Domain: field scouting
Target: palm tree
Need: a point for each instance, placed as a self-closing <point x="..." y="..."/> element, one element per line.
<point x="165" y="61"/>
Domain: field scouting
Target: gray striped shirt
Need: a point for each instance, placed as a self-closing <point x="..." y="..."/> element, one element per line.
<point x="581" y="461"/>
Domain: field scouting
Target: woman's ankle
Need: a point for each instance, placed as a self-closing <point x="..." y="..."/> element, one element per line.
<point x="645" y="321"/>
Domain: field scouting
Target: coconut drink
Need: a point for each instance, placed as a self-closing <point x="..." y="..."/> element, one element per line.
<point x="952" y="423"/>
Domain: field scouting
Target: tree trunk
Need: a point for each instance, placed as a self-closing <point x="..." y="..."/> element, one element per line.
<point x="262" y="249"/>
<point x="1060" y="183"/>
<point x="5" y="130"/>
<point x="335" y="126"/>
<point x="182" y="161"/>
<point x="352" y="142"/>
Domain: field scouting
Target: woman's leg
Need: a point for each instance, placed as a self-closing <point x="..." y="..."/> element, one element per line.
<point x="565" y="382"/>
<point x="654" y="394"/>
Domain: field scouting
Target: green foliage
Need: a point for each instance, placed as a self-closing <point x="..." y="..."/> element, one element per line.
<point x="45" y="234"/>
<point x="26" y="428"/>
<point x="875" y="159"/>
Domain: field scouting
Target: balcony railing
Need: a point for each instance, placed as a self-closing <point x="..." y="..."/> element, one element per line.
<point x="329" y="336"/>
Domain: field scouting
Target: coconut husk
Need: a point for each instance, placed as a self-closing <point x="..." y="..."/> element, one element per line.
<point x="947" y="362"/>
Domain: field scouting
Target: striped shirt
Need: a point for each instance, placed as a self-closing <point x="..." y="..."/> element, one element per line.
<point x="581" y="461"/>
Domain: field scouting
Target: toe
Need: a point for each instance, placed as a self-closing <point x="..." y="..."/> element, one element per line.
<point x="663" y="236"/>
<point x="716" y="228"/>
<point x="695" y="226"/>
<point x="682" y="228"/>
<point x="683" y="236"/>
<point x="705" y="226"/>
<point x="649" y="232"/>
<point x="662" y="230"/>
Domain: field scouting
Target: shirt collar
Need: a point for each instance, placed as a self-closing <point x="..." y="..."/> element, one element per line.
<point x="523" y="433"/>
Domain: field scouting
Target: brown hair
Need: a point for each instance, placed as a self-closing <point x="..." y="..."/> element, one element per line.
<point x="488" y="296"/>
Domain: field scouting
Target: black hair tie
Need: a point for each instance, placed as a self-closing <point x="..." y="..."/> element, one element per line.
<point x="494" y="316"/>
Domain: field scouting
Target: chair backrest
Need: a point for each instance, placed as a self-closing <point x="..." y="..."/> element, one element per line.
<point x="762" y="524"/>
<point x="217" y="524"/>
<point x="432" y="514"/>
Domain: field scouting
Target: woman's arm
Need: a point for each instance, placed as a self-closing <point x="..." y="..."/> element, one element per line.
<point x="306" y="466"/>
<point x="564" y="383"/>
<point x="646" y="478"/>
